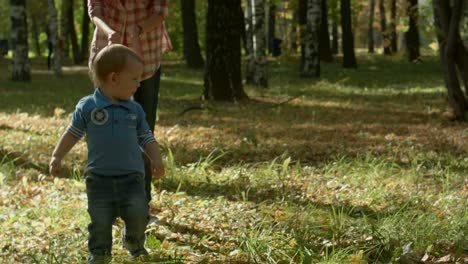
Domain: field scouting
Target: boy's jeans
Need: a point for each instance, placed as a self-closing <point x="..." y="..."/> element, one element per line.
<point x="110" y="197"/>
<point x="147" y="96"/>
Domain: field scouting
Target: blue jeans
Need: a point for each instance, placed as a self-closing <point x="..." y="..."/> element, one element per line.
<point x="110" y="197"/>
<point x="147" y="96"/>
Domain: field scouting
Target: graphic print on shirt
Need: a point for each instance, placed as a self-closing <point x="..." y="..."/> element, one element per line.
<point x="131" y="120"/>
<point x="99" y="116"/>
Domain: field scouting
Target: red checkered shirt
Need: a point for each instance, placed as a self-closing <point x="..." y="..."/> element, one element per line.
<point x="123" y="17"/>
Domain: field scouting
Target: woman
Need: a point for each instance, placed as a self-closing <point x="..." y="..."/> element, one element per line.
<point x="139" y="25"/>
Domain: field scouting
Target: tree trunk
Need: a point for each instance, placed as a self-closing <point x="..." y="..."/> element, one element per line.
<point x="73" y="38"/>
<point x="53" y="29"/>
<point x="35" y="36"/>
<point x="248" y="36"/>
<point x="412" y="35"/>
<point x="64" y="28"/>
<point x="383" y="26"/>
<point x="334" y="42"/>
<point x="192" y="52"/>
<point x="21" y="70"/>
<point x="393" y="31"/>
<point x="453" y="54"/>
<point x="256" y="60"/>
<point x="370" y="27"/>
<point x="84" y="32"/>
<point x="311" y="66"/>
<point x="324" y="35"/>
<point x="224" y="26"/>
<point x="271" y="27"/>
<point x="349" y="58"/>
<point x="302" y="21"/>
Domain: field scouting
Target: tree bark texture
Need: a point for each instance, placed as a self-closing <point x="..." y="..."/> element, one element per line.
<point x="370" y="27"/>
<point x="324" y="35"/>
<point x="383" y="26"/>
<point x="453" y="54"/>
<point x="21" y="70"/>
<point x="84" y="32"/>
<point x="393" y="31"/>
<point x="224" y="26"/>
<point x="192" y="52"/>
<point x="412" y="35"/>
<point x="311" y="67"/>
<point x="349" y="57"/>
<point x="334" y="42"/>
<point x="271" y="27"/>
<point x="64" y="28"/>
<point x="73" y="37"/>
<point x="256" y="59"/>
<point x="54" y="36"/>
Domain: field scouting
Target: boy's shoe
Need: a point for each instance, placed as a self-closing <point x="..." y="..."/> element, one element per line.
<point x="99" y="259"/>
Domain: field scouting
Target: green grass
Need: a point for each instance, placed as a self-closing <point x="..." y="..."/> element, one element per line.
<point x="361" y="166"/>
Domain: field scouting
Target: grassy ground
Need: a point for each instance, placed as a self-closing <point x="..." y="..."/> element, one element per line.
<point x="362" y="166"/>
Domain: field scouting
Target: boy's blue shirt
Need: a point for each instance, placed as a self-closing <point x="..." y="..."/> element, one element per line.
<point x="114" y="134"/>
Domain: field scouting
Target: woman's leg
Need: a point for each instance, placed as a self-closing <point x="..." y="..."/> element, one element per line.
<point x="147" y="96"/>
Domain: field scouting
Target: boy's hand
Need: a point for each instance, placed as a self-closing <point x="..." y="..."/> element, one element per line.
<point x="157" y="169"/>
<point x="54" y="166"/>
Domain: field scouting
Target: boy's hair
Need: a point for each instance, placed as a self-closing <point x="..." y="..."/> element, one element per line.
<point x="112" y="58"/>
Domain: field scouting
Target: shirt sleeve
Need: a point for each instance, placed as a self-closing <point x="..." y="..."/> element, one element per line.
<point x="160" y="7"/>
<point x="77" y="127"/>
<point x="145" y="135"/>
<point x="94" y="8"/>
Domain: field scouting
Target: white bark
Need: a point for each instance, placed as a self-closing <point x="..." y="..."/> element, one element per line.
<point x="311" y="67"/>
<point x="255" y="30"/>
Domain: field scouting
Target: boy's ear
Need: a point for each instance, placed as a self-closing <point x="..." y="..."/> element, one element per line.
<point x="112" y="77"/>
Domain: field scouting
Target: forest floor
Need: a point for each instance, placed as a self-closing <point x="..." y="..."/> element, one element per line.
<point x="360" y="166"/>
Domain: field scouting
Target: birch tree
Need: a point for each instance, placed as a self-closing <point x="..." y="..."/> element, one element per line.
<point x="311" y="66"/>
<point x="256" y="46"/>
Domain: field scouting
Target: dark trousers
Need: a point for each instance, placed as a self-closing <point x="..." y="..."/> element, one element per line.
<point x="111" y="197"/>
<point x="147" y="96"/>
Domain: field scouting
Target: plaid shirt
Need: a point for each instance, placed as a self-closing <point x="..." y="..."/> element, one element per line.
<point x="123" y="16"/>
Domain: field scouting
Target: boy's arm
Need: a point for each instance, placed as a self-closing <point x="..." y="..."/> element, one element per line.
<point x="65" y="144"/>
<point x="157" y="166"/>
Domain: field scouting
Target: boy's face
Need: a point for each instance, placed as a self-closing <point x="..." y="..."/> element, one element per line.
<point x="126" y="82"/>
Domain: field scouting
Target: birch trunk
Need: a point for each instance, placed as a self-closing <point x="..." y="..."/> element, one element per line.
<point x="256" y="69"/>
<point x="311" y="67"/>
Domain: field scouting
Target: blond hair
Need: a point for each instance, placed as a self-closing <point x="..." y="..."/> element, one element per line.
<point x="112" y="58"/>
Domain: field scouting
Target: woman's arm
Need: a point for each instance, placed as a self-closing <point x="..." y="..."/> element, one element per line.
<point x="95" y="13"/>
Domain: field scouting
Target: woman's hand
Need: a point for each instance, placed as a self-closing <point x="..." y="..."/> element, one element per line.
<point x="114" y="38"/>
